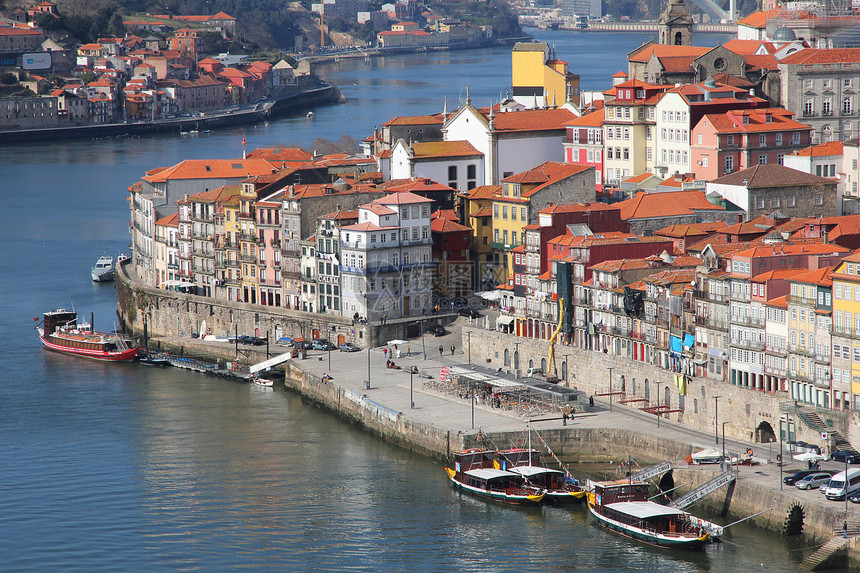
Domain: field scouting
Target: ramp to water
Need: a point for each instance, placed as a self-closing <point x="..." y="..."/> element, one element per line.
<point x="709" y="486"/>
<point x="271" y="362"/>
<point x="824" y="553"/>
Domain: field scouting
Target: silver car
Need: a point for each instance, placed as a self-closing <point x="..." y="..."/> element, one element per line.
<point x="814" y="481"/>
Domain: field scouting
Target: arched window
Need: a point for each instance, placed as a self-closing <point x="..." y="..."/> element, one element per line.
<point x="668" y="401"/>
<point x="517" y="360"/>
<point x="647" y="390"/>
<point x="507" y="357"/>
<point x="564" y="370"/>
<point x="543" y="364"/>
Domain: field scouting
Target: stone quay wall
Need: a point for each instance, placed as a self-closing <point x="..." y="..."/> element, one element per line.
<point x="376" y="418"/>
<point x="159" y="313"/>
<point x="746" y="412"/>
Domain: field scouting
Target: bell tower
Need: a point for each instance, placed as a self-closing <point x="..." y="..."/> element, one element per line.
<point x="675" y="26"/>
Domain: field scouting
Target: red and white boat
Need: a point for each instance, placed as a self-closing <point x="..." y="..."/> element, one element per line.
<point x="264" y="382"/>
<point x="60" y="332"/>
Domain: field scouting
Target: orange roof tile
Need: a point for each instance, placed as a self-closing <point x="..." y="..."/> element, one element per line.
<point x="594" y="119"/>
<point x="443" y="225"/>
<point x="666" y="51"/>
<point x="666" y="204"/>
<point x="439" y="149"/>
<point x="211" y="169"/>
<point x="822" y="149"/>
<point x="545" y="174"/>
<point x="822" y="56"/>
<point x="532" y="120"/>
<point x="485" y="192"/>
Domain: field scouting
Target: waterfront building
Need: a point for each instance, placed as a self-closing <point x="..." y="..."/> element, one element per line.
<point x="267" y="225"/>
<point x="711" y="308"/>
<point x="761" y="189"/>
<point x="30" y="112"/>
<point x="227" y="264"/>
<point x="308" y="265"/>
<point x="809" y="326"/>
<point x="523" y="195"/>
<point x="738" y="139"/>
<point x="628" y="129"/>
<point x="477" y="206"/>
<point x="539" y="79"/>
<point x="511" y="142"/>
<point x="156" y="194"/>
<point x="166" y="249"/>
<point x="15" y="39"/>
<point x="328" y="238"/>
<point x="386" y="267"/>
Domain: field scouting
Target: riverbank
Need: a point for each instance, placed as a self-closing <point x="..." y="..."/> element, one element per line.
<point x="440" y="424"/>
<point x="288" y="102"/>
<point x="377" y="52"/>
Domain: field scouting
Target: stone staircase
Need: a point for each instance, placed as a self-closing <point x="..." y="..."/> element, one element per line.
<point x="812" y="419"/>
<point x="824" y="553"/>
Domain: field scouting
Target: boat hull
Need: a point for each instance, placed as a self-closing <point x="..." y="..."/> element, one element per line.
<point x="102" y="276"/>
<point x="495" y="495"/>
<point x="656" y="539"/>
<point x="563" y="496"/>
<point x="112" y="356"/>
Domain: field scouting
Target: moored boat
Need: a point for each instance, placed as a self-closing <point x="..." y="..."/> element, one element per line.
<point x="265" y="382"/>
<point x="103" y="270"/>
<point x="559" y="487"/>
<point x="474" y="472"/>
<point x="59" y="331"/>
<point x="623" y="506"/>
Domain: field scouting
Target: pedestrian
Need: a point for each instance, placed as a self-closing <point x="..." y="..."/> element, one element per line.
<point x="452" y="350"/>
<point x="441" y="349"/>
<point x="591" y="401"/>
<point x="408" y="351"/>
<point x="564" y="417"/>
<point x="845" y="529"/>
<point x="385" y="352"/>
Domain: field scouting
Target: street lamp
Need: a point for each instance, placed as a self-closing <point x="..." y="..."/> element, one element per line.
<point x="469" y="335"/>
<point x="369" y="348"/>
<point x="610" y="368"/>
<point x="423" y="348"/>
<point x="716" y="418"/>
<point x="411" y="400"/>
<point x="658" y="403"/>
<point x="330" y="330"/>
<point x="724" y="440"/>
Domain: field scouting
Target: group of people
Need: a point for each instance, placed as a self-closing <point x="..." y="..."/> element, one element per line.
<point x="442" y="349"/>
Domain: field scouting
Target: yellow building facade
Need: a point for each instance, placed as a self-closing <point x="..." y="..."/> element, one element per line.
<point x="846" y="332"/>
<point x="538" y="79"/>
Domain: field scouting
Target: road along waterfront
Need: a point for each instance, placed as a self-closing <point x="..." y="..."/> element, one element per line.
<point x="127" y="467"/>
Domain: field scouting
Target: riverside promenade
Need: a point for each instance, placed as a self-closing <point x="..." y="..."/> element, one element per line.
<point x="598" y="435"/>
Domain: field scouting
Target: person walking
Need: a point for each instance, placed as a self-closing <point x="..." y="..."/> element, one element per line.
<point x="441" y="349"/>
<point x="452" y="350"/>
<point x="408" y="351"/>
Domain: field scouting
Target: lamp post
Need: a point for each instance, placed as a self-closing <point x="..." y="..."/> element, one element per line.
<point x="330" y="330"/>
<point x="411" y="400"/>
<point x="423" y="348"/>
<point x="724" y="441"/>
<point x="469" y="335"/>
<point x="610" y="368"/>
<point x="716" y="418"/>
<point x="473" y="409"/>
<point x="369" y="348"/>
<point x="658" y="403"/>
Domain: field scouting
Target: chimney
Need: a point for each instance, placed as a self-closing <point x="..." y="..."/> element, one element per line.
<point x="292" y="190"/>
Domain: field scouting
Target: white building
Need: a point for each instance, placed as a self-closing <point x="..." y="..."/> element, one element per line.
<point x="510" y="142"/>
<point x="456" y="162"/>
<point x="386" y="265"/>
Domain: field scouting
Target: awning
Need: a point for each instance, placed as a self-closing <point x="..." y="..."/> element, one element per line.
<point x="675" y="344"/>
<point x="689" y="341"/>
<point x="504" y="321"/>
<point x="489" y="294"/>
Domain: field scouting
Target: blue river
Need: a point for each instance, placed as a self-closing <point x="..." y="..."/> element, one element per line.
<point x="126" y="468"/>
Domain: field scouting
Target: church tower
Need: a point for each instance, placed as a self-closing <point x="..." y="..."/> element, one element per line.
<point x="675" y="25"/>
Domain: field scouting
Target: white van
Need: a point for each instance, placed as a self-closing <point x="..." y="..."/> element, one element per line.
<point x="838" y="489"/>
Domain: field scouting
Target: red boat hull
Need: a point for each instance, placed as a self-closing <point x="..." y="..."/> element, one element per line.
<point x="112" y="356"/>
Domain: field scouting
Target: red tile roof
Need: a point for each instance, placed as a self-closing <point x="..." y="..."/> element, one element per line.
<point x="211" y="169"/>
<point x="415" y="120"/>
<point x="666" y="204"/>
<point x="754" y="121"/>
<point x="545" y="174"/>
<point x="485" y="212"/>
<point x="440" y="149"/>
<point x="594" y="119"/>
<point x="578" y="208"/>
<point x="822" y="56"/>
<point x="443" y="225"/>
<point x="770" y="175"/>
<point x="484" y="192"/>
<point x="402" y="198"/>
<point x="666" y="50"/>
<point x="532" y="120"/>
<point x="690" y="229"/>
<point x="822" y="149"/>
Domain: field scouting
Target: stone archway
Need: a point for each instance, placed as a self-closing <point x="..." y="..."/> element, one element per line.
<point x="764" y="433"/>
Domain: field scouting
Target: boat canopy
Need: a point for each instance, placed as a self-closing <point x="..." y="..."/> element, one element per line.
<point x="643" y="509"/>
<point x="490" y="473"/>
<point x="533" y="470"/>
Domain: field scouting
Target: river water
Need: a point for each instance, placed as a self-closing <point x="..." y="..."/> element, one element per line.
<point x="127" y="468"/>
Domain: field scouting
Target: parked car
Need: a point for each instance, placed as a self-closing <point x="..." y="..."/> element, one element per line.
<point x="302" y="343"/>
<point x="470" y="312"/>
<point x="850" y="456"/>
<point x="349" y="347"/>
<point x="285" y="341"/>
<point x="814" y="480"/>
<point x="796" y="477"/>
<point x="322" y="344"/>
<point x="251" y="340"/>
<point x="854" y="497"/>
<point x="438" y="330"/>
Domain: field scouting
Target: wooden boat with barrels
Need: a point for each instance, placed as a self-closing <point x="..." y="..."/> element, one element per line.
<point x="559" y="486"/>
<point x="59" y="331"/>
<point x="623" y="506"/>
<point x="475" y="472"/>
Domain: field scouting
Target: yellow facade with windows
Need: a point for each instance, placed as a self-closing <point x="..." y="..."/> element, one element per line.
<point x="510" y="215"/>
<point x="248" y="243"/>
<point x="536" y="73"/>
<point x="846" y="313"/>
